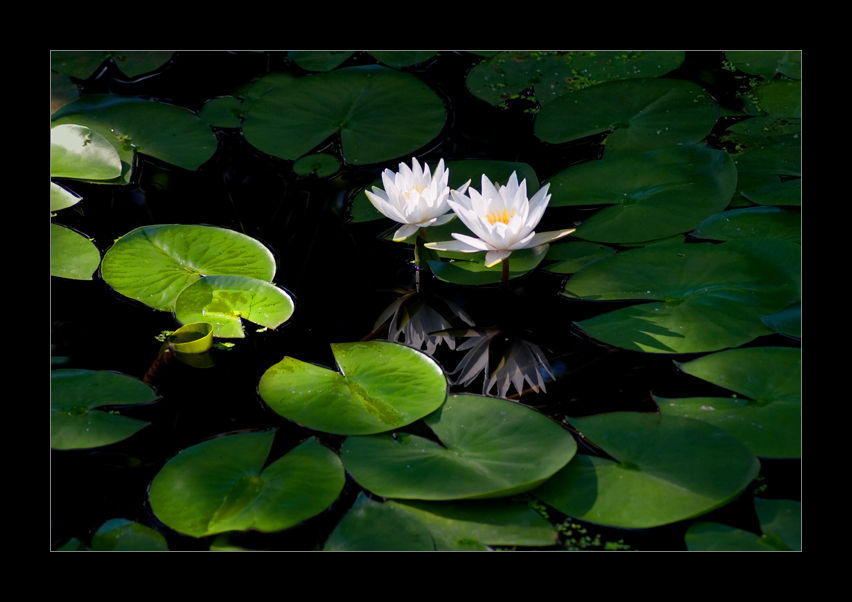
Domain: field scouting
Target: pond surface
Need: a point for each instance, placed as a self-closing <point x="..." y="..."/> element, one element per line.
<point x="343" y="275"/>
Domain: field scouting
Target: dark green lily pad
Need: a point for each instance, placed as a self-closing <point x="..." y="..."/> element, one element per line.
<point x="775" y="98"/>
<point x="225" y="301"/>
<point x="122" y="535"/>
<point x="318" y="60"/>
<point x="765" y="415"/>
<point x="153" y="264"/>
<point x="381" y="386"/>
<point x="76" y="422"/>
<point x="79" y="152"/>
<point x="380" y="114"/>
<point x="471" y="270"/>
<point x="223" y="112"/>
<point x="571" y="256"/>
<point x="83" y="63"/>
<point x="654" y="194"/>
<point x="426" y="526"/>
<point x="72" y="255"/>
<point x="460" y="172"/>
<point x="489" y="448"/>
<point x="786" y="321"/>
<point x="780" y="525"/>
<point x="752" y="222"/>
<point x="769" y="189"/>
<point x="642" y="114"/>
<point x="321" y="165"/>
<point x="221" y="485"/>
<point x="166" y="132"/>
<point x="781" y="157"/>
<point x="767" y="63"/>
<point x="399" y="59"/>
<point x="706" y="297"/>
<point x="666" y="469"/>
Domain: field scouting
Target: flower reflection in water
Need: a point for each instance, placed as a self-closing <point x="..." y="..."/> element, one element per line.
<point x="517" y="361"/>
<point x="422" y="321"/>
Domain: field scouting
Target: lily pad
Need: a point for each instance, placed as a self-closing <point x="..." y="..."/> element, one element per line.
<point x="318" y="60"/>
<point x="61" y="197"/>
<point x="767" y="63"/>
<point x="786" y="321"/>
<point x="76" y="420"/>
<point x="83" y="63"/>
<point x="765" y="415"/>
<point x="321" y="165"/>
<point x="399" y="59"/>
<point x="706" y="297"/>
<point x="154" y="264"/>
<point x="166" y="132"/>
<point x="79" y="152"/>
<point x="752" y="222"/>
<point x="72" y="255"/>
<point x="221" y="485"/>
<point x="641" y="114"/>
<point x="654" y="194"/>
<point x="380" y="114"/>
<point x="571" y="256"/>
<point x="780" y="526"/>
<point x="224" y="301"/>
<point x="665" y="469"/>
<point x="471" y="270"/>
<point x="488" y="448"/>
<point x="380" y="386"/>
<point x="426" y="526"/>
<point x="122" y="535"/>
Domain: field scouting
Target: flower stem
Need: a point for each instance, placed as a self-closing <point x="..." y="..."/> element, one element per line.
<point x="505" y="280"/>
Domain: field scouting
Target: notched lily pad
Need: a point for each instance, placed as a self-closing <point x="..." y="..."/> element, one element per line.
<point x="224" y="301"/>
<point x="154" y="264"/>
<point x="380" y="386"/>
<point x="72" y="255"/>
<point x="780" y="526"/>
<point x="76" y="420"/>
<point x="488" y="448"/>
<point x="221" y="485"/>
<point x="666" y="469"/>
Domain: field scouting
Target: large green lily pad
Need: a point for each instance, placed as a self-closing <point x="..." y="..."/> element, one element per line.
<point x="76" y="420"/>
<point x="752" y="222"/>
<point x="380" y="386"/>
<point x="765" y="415"/>
<point x="767" y="63"/>
<point x="72" y="255"/>
<point x="166" y="132"/>
<point x="488" y="448"/>
<point x="426" y="526"/>
<point x="221" y="485"/>
<point x="153" y="264"/>
<point x="224" y="301"/>
<point x="780" y="526"/>
<point x="642" y="114"/>
<point x="704" y="297"/>
<point x="653" y="195"/>
<point x="380" y="114"/>
<point x="571" y="256"/>
<point x="665" y="469"/>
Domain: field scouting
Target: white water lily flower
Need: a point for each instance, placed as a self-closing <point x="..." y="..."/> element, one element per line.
<point x="503" y="220"/>
<point x="414" y="198"/>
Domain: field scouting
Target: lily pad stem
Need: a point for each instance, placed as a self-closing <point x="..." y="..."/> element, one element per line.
<point x="505" y="280"/>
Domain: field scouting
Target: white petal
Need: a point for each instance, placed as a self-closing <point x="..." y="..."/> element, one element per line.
<point x="384" y="207"/>
<point x="442" y="219"/>
<point x="452" y="245"/>
<point x="404" y="232"/>
<point x="492" y="258"/>
<point x="476" y="243"/>
<point x="545" y="237"/>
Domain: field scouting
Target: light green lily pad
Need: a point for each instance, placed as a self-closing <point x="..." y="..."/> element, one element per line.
<point x="489" y="448"/>
<point x="380" y="386"/>
<point x="571" y="256"/>
<point x="122" y="535"/>
<point x="666" y="469"/>
<point x="61" y="197"/>
<point x="642" y="114"/>
<point x="154" y="264"/>
<point x="79" y="152"/>
<point x="75" y="420"/>
<point x="653" y="195"/>
<point x="221" y="485"/>
<point x="72" y="255"/>
<point x="380" y="114"/>
<point x="426" y="526"/>
<point x="752" y="222"/>
<point x="224" y="301"/>
<point x="780" y="525"/>
<point x="765" y="415"/>
<point x="706" y="297"/>
<point x="166" y="132"/>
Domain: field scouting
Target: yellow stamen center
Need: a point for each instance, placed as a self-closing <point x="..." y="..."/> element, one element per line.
<point x="503" y="218"/>
<point x="418" y="189"/>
